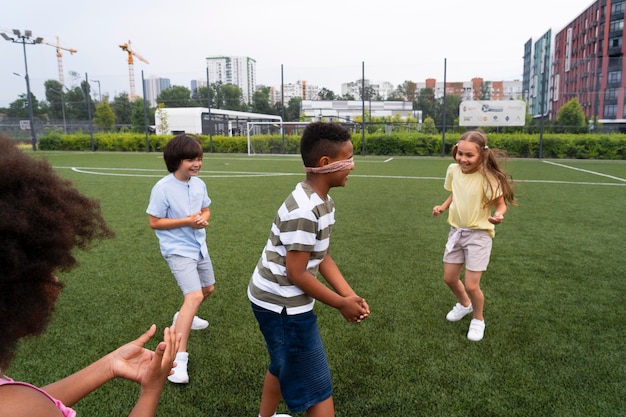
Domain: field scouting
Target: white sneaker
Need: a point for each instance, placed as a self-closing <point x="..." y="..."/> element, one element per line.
<point x="196" y="324"/>
<point x="476" y="330"/>
<point x="458" y="312"/>
<point x="180" y="375"/>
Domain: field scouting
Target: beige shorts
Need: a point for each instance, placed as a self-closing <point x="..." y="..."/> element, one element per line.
<point x="471" y="247"/>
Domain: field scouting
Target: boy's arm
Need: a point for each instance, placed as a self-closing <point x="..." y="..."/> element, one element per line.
<point x="196" y="220"/>
<point x="351" y="306"/>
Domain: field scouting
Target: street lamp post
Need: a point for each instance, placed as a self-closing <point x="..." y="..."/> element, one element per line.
<point x="26" y="38"/>
<point x="99" y="91"/>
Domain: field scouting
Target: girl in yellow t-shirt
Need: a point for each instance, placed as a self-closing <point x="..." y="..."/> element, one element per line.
<point x="477" y="185"/>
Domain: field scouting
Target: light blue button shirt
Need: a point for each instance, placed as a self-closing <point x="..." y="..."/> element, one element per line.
<point x="174" y="199"/>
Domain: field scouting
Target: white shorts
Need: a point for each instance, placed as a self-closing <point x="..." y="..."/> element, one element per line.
<point x="191" y="275"/>
<point x="471" y="247"/>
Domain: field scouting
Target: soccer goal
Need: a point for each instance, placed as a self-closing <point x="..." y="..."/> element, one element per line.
<point x="265" y="138"/>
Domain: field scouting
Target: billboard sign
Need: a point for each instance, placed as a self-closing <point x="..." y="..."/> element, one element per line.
<point x="492" y="113"/>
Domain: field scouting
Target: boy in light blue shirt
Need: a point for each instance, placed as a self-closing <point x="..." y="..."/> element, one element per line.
<point x="179" y="213"/>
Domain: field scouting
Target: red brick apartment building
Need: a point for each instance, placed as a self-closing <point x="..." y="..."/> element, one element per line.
<point x="588" y="63"/>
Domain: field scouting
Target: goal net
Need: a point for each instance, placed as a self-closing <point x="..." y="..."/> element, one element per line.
<point x="265" y="138"/>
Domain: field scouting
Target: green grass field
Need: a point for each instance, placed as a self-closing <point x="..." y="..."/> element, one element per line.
<point x="555" y="292"/>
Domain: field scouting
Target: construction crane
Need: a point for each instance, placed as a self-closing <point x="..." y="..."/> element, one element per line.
<point x="131" y="72"/>
<point x="60" y="57"/>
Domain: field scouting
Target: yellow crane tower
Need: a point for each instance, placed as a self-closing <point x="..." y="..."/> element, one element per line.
<point x="60" y="57"/>
<point x="131" y="72"/>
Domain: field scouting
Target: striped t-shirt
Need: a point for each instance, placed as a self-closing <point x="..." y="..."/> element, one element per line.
<point x="303" y="223"/>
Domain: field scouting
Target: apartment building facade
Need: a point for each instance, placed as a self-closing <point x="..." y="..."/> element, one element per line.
<point x="236" y="70"/>
<point x="588" y="64"/>
<point x="154" y="87"/>
<point x="475" y="89"/>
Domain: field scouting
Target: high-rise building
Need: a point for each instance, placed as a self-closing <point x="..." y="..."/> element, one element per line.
<point x="154" y="87"/>
<point x="586" y="62"/>
<point x="236" y="70"/>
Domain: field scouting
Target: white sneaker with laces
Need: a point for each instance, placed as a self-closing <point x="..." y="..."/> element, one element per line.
<point x="196" y="324"/>
<point x="476" y="330"/>
<point x="180" y="375"/>
<point x="458" y="312"/>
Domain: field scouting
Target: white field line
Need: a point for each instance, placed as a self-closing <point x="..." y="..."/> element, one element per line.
<point x="585" y="170"/>
<point x="159" y="173"/>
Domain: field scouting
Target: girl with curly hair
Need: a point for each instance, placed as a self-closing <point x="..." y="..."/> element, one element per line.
<point x="43" y="218"/>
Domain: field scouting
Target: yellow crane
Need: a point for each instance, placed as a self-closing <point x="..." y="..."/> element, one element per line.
<point x="131" y="72"/>
<point x="60" y="57"/>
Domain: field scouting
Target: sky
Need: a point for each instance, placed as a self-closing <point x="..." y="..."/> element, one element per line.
<point x="324" y="42"/>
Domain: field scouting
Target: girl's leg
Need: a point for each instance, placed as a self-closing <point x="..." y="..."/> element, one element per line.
<point x="452" y="277"/>
<point x="324" y="409"/>
<point x="472" y="286"/>
<point x="270" y="397"/>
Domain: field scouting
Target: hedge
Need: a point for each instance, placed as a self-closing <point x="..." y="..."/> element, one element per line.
<point x="517" y="145"/>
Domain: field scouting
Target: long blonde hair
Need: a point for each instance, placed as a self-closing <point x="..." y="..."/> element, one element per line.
<point x="489" y="164"/>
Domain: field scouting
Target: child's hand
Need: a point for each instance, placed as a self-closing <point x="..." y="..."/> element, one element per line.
<point x="135" y="363"/>
<point x="355" y="309"/>
<point x="497" y="218"/>
<point x="437" y="210"/>
<point x="197" y="221"/>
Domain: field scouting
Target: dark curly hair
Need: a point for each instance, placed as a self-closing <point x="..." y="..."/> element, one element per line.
<point x="42" y="219"/>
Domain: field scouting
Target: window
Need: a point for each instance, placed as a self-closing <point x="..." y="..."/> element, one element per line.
<point x="617" y="7"/>
<point x="610" y="94"/>
<point x="617" y="25"/>
<point x="610" y="111"/>
<point x="615" y="42"/>
<point x="614" y="77"/>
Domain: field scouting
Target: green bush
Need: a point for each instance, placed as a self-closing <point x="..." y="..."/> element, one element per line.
<point x="517" y="145"/>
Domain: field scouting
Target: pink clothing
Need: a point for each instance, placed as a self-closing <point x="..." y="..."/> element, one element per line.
<point x="67" y="412"/>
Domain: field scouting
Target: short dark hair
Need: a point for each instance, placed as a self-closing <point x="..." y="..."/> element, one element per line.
<point x="322" y="138"/>
<point x="183" y="146"/>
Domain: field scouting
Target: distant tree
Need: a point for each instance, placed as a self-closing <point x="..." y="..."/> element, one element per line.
<point x="55" y="96"/>
<point x="261" y="101"/>
<point x="429" y="127"/>
<point x="292" y="113"/>
<point x="104" y="116"/>
<point x="123" y="109"/>
<point x="453" y="101"/>
<point x="200" y="97"/>
<point x="485" y="90"/>
<point x="176" y="96"/>
<point x="326" y="94"/>
<point x="571" y="118"/>
<point x="407" y="91"/>
<point x="278" y="109"/>
<point x="233" y="98"/>
<point x="137" y="116"/>
<point x="76" y="104"/>
<point x="19" y="107"/>
<point x="367" y="94"/>
<point x="427" y="103"/>
<point x="163" y="125"/>
<point x="395" y="95"/>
